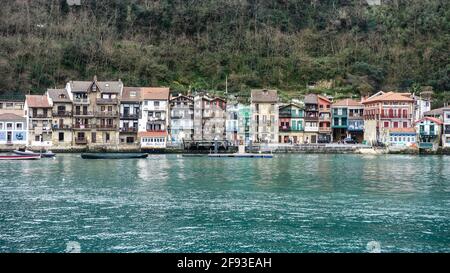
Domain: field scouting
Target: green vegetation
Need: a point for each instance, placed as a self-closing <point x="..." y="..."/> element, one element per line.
<point x="195" y="44"/>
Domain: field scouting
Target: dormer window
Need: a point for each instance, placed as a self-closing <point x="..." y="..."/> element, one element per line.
<point x="94" y="87"/>
<point x="62" y="96"/>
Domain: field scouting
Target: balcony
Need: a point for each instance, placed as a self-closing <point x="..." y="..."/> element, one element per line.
<point x="309" y="118"/>
<point x="107" y="101"/>
<point x="427" y="133"/>
<point x="107" y="114"/>
<point x="80" y="140"/>
<point x="129" y="116"/>
<point x="107" y="127"/>
<point x="83" y="126"/>
<point x="128" y="130"/>
<point x="83" y="113"/>
<point x="284" y="128"/>
<point x="81" y="101"/>
<point x="62" y="113"/>
<point x="324" y="118"/>
<point x="44" y="116"/>
<point x="62" y="127"/>
<point x="324" y="129"/>
<point x="395" y="116"/>
<point x="311" y="109"/>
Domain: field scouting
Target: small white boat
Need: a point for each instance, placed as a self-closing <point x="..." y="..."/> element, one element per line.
<point x="31" y="153"/>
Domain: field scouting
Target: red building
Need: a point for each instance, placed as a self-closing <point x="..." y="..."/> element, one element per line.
<point x="384" y="111"/>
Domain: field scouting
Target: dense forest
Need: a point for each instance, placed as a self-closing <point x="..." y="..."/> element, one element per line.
<point x="348" y="46"/>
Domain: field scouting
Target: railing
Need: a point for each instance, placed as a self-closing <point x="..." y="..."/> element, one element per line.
<point x="106" y="126"/>
<point x="62" y="113"/>
<point x="129" y="116"/>
<point x="83" y="126"/>
<point x="311" y="118"/>
<point x="83" y="113"/>
<point x="427" y="133"/>
<point x="62" y="127"/>
<point x="311" y="129"/>
<point x="107" y="101"/>
<point x="81" y="101"/>
<point x="311" y="108"/>
<point x="395" y="116"/>
<point x="128" y="130"/>
<point x="80" y="140"/>
<point x="325" y="118"/>
<point x="39" y="115"/>
<point x="324" y="129"/>
<point x="107" y="113"/>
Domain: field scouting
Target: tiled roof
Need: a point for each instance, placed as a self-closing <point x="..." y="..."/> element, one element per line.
<point x="434" y="112"/>
<point x="264" y="95"/>
<point x="9" y="116"/>
<point x="80" y="86"/>
<point x="131" y="94"/>
<point x="104" y="87"/>
<point x="110" y="87"/>
<point x="323" y="98"/>
<point x="311" y="99"/>
<point x="37" y="101"/>
<point x="155" y="93"/>
<point x="435" y="120"/>
<point x="291" y="104"/>
<point x="152" y="134"/>
<point x="58" y="95"/>
<point x="390" y="96"/>
<point x="347" y="102"/>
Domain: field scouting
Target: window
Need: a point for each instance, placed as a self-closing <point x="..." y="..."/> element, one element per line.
<point x="395" y="124"/>
<point x="405" y="124"/>
<point x="386" y="124"/>
<point x="9" y="126"/>
<point x="1" y="105"/>
<point x="156" y="103"/>
<point x="9" y="105"/>
<point x="93" y="137"/>
<point x="37" y="138"/>
<point x="19" y="126"/>
<point x="107" y="137"/>
<point x="61" y="137"/>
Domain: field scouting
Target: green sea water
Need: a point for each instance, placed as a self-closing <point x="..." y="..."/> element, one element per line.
<point x="167" y="203"/>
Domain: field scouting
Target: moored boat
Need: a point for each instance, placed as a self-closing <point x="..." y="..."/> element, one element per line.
<point x="19" y="157"/>
<point x="27" y="152"/>
<point x="113" y="155"/>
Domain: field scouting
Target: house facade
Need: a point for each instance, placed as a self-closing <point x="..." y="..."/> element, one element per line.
<point x="61" y="103"/>
<point x="324" y="119"/>
<point x="13" y="131"/>
<point x="130" y="112"/>
<point x="264" y="108"/>
<point x="95" y="112"/>
<point x="291" y="124"/>
<point x="232" y="121"/>
<point x="429" y="132"/>
<point x="181" y="118"/>
<point x="385" y="111"/>
<point x="38" y="112"/>
<point x="399" y="137"/>
<point x="347" y="120"/>
<point x="154" y="120"/>
<point x="244" y="124"/>
<point x="15" y="107"/>
<point x="311" y="118"/>
<point x="209" y="118"/>
<point x="446" y="128"/>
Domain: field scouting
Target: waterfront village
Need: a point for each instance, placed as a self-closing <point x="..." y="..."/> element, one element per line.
<point x="106" y="115"/>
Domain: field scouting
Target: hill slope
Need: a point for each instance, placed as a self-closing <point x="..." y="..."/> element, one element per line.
<point x="195" y="44"/>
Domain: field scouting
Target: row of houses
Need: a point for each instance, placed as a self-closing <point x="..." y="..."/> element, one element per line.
<point x="89" y="114"/>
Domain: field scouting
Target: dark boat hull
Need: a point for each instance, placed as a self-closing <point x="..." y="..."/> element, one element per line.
<point x="113" y="155"/>
<point x="19" y="157"/>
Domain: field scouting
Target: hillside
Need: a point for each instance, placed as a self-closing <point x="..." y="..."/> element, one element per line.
<point x="196" y="44"/>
